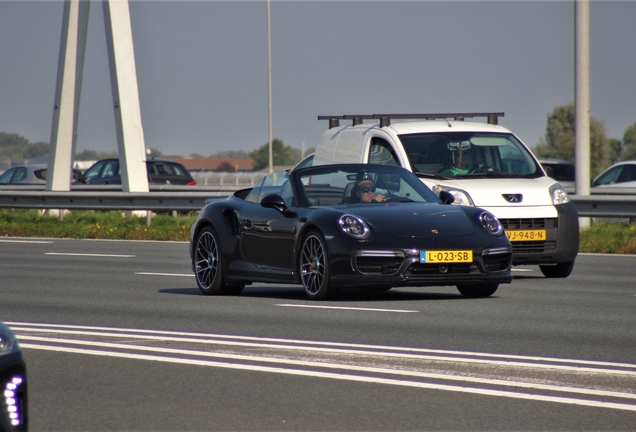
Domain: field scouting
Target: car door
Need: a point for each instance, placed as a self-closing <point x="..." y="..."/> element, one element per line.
<point x="267" y="235"/>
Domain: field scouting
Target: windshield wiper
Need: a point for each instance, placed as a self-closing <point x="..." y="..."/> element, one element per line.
<point x="433" y="176"/>
<point x="496" y="174"/>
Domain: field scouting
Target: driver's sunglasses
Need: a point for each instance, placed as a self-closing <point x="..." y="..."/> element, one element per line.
<point x="367" y="190"/>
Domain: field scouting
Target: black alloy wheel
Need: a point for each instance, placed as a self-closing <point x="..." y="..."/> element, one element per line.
<point x="208" y="265"/>
<point x="314" y="267"/>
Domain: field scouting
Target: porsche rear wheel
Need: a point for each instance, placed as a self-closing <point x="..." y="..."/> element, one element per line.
<point x="479" y="290"/>
<point x="314" y="267"/>
<point x="207" y="263"/>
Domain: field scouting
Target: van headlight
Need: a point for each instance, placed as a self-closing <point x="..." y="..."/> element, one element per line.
<point x="461" y="196"/>
<point x="558" y="194"/>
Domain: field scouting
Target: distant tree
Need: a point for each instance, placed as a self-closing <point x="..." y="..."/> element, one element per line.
<point x="559" y="139"/>
<point x="196" y="156"/>
<point x="232" y="154"/>
<point x="281" y="155"/>
<point x="629" y="144"/>
<point x="615" y="149"/>
<point x="16" y="147"/>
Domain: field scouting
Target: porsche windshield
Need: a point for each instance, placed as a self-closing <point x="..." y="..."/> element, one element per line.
<point x="466" y="154"/>
<point x="351" y="184"/>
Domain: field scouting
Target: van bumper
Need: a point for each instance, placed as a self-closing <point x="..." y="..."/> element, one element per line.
<point x="562" y="238"/>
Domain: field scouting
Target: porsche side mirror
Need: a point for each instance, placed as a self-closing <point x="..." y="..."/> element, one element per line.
<point x="274" y="201"/>
<point x="446" y="197"/>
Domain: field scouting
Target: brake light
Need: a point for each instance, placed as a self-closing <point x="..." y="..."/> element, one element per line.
<point x="191" y="183"/>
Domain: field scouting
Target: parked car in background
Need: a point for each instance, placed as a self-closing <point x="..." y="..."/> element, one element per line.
<point x="561" y="170"/>
<point x="31" y="174"/>
<point x="160" y="171"/>
<point x="13" y="383"/>
<point x="24" y="175"/>
<point x="621" y="174"/>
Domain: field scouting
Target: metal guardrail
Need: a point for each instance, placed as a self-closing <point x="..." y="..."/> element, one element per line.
<point x="154" y="201"/>
<point x="606" y="206"/>
<point x="605" y="203"/>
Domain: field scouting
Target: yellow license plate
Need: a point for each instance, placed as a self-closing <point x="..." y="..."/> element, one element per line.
<point x="526" y="235"/>
<point x="446" y="256"/>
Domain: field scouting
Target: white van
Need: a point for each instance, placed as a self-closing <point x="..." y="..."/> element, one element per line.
<point x="481" y="163"/>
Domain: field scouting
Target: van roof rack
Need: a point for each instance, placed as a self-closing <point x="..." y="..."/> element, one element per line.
<point x="385" y="119"/>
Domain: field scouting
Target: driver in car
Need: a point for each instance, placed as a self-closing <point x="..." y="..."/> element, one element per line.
<point x="463" y="160"/>
<point x="365" y="191"/>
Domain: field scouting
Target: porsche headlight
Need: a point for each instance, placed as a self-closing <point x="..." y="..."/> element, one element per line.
<point x="461" y="196"/>
<point x="354" y="227"/>
<point x="490" y="223"/>
<point x="558" y="194"/>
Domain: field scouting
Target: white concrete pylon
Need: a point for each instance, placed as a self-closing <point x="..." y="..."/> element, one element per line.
<point x="130" y="136"/>
<point x="123" y="77"/>
<point x="67" y="94"/>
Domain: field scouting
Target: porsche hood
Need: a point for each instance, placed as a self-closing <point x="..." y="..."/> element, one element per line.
<point x="416" y="221"/>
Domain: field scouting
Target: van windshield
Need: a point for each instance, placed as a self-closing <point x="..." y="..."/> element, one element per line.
<point x="469" y="155"/>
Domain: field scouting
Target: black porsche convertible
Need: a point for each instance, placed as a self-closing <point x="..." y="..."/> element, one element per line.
<point x="343" y="227"/>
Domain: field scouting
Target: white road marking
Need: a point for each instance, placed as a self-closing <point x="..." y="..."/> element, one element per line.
<point x="521" y="270"/>
<point x="26" y="241"/>
<point x="89" y="255"/>
<point x="164" y="274"/>
<point x="324" y="365"/>
<point x="339" y="376"/>
<point x="403" y="352"/>
<point x="346" y="308"/>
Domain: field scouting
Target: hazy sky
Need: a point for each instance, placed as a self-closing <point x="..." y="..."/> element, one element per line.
<point x="202" y="67"/>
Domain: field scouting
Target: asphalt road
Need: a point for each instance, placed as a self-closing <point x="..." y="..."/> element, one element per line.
<point x="117" y="337"/>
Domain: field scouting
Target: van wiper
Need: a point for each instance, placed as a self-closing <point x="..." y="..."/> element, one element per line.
<point x="496" y="174"/>
<point x="433" y="176"/>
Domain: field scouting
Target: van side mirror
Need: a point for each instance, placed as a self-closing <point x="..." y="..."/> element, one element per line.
<point x="549" y="171"/>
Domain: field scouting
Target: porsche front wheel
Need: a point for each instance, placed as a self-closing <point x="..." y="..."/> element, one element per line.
<point x="314" y="267"/>
<point x="207" y="263"/>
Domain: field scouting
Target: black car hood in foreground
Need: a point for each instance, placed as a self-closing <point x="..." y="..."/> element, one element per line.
<point x="415" y="220"/>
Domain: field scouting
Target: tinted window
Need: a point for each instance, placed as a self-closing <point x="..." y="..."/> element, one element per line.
<point x="111" y="169"/>
<point x="561" y="171"/>
<point x="20" y="174"/>
<point x="40" y="173"/>
<point x="177" y="169"/>
<point x="609" y="177"/>
<point x="94" y="170"/>
<point x="6" y="177"/>
<point x="381" y="152"/>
